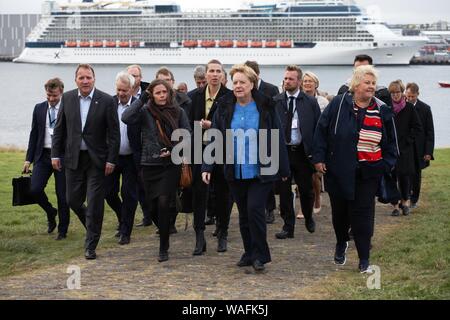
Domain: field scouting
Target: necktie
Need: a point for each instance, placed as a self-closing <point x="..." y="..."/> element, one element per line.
<point x="52" y="117"/>
<point x="290" y="116"/>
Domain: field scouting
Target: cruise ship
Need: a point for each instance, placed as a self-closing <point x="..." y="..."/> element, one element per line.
<point x="321" y="32"/>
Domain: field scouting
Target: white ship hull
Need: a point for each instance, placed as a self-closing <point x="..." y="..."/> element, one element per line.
<point x="330" y="53"/>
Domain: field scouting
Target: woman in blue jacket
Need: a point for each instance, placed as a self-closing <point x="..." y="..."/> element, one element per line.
<point x="354" y="144"/>
<point x="249" y="177"/>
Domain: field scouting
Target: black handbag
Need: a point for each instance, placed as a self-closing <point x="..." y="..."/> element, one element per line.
<point x="21" y="191"/>
<point x="387" y="190"/>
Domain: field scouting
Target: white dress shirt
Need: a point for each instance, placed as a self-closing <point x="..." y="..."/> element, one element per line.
<point x="48" y="130"/>
<point x="85" y="103"/>
<point x="296" y="136"/>
<point x="125" y="148"/>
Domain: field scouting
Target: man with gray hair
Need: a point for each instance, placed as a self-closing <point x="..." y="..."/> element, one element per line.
<point x="125" y="209"/>
<point x="139" y="86"/>
<point x="199" y="78"/>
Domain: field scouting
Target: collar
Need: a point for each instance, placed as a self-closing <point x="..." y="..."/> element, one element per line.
<point x="207" y="96"/>
<point x="91" y="95"/>
<point x="259" y="83"/>
<point x="127" y="104"/>
<point x="293" y="95"/>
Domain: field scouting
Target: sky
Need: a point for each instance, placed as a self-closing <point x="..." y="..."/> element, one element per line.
<point x="391" y="11"/>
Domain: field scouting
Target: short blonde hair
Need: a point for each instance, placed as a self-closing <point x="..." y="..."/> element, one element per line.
<point x="313" y="76"/>
<point x="359" y="73"/>
<point x="247" y="71"/>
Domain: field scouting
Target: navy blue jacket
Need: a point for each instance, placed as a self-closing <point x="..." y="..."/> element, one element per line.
<point x="37" y="133"/>
<point x="308" y="112"/>
<point x="268" y="119"/>
<point x="134" y="135"/>
<point x="335" y="144"/>
<point x="424" y="142"/>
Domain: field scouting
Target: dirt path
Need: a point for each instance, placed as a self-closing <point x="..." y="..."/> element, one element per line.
<point x="132" y="272"/>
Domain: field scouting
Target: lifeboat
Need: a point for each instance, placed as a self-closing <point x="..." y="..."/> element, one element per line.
<point x="271" y="44"/>
<point x="190" y="43"/>
<point x="242" y="44"/>
<point x="134" y="44"/>
<point x="97" y="44"/>
<point x="208" y="43"/>
<point x="124" y="44"/>
<point x="256" y="44"/>
<point x="111" y="44"/>
<point x="444" y="84"/>
<point x="226" y="44"/>
<point x="71" y="44"/>
<point x="286" y="44"/>
<point x="85" y="44"/>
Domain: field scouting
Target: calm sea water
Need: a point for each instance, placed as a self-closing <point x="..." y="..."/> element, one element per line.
<point x="22" y="88"/>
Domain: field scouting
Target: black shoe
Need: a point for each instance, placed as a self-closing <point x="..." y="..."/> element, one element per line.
<point x="284" y="235"/>
<point x="339" y="254"/>
<point x="51" y="223"/>
<point x="270" y="216"/>
<point x="405" y="210"/>
<point x="173" y="230"/>
<point x="117" y="235"/>
<point x="310" y="225"/>
<point x="163" y="256"/>
<point x="144" y="224"/>
<point x="258" y="266"/>
<point x="395" y="213"/>
<point x="60" y="236"/>
<point x="364" y="267"/>
<point x="124" y="240"/>
<point x="414" y="205"/>
<point x="200" y="244"/>
<point x="222" y="242"/>
<point x="244" y="263"/>
<point x="210" y="221"/>
<point x="90" y="254"/>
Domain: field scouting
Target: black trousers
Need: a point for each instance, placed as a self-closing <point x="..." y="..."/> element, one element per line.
<point x="271" y="202"/>
<point x="42" y="171"/>
<point x="124" y="208"/>
<point x="252" y="217"/>
<point x="359" y="214"/>
<point x="199" y="199"/>
<point x="302" y="170"/>
<point x="222" y="198"/>
<point x="404" y="184"/>
<point x="87" y="182"/>
<point x="416" y="182"/>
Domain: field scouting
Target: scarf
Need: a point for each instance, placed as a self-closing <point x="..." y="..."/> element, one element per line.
<point x="167" y="118"/>
<point x="399" y="105"/>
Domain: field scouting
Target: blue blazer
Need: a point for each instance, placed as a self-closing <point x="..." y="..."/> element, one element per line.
<point x="308" y="112"/>
<point x="134" y="135"/>
<point x="37" y="133"/>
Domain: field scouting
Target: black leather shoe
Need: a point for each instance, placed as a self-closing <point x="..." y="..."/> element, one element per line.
<point x="210" y="221"/>
<point x="200" y="244"/>
<point x="310" y="225"/>
<point x="60" y="237"/>
<point x="258" y="266"/>
<point x="144" y="224"/>
<point x="244" y="263"/>
<point x="51" y="223"/>
<point x="163" y="256"/>
<point x="222" y="242"/>
<point x="124" y="240"/>
<point x="90" y="254"/>
<point x="284" y="235"/>
<point x="270" y="216"/>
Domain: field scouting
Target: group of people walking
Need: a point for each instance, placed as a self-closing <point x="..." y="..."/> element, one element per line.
<point x="98" y="146"/>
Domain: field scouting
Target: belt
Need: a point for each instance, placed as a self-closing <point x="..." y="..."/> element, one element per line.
<point x="294" y="148"/>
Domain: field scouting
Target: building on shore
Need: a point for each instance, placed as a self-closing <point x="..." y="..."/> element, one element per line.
<point x="14" y="28"/>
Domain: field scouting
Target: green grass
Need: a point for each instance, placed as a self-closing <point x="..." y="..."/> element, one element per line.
<point x="414" y="256"/>
<point x="24" y="242"/>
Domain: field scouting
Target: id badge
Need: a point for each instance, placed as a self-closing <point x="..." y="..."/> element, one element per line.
<point x="50" y="131"/>
<point x="294" y="123"/>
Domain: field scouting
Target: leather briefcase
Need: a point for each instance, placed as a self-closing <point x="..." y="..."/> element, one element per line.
<point x="21" y="191"/>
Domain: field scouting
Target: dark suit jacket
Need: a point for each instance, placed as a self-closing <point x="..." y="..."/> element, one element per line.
<point x="198" y="104"/>
<point x="134" y="135"/>
<point x="37" y="133"/>
<point x="144" y="85"/>
<point x="268" y="89"/>
<point x="308" y="111"/>
<point x="101" y="132"/>
<point x="424" y="142"/>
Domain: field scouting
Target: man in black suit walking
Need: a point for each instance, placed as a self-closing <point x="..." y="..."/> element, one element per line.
<point x="299" y="114"/>
<point x="38" y="153"/>
<point x="87" y="129"/>
<point x="424" y="143"/>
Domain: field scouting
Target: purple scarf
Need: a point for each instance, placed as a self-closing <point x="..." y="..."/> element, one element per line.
<point x="399" y="106"/>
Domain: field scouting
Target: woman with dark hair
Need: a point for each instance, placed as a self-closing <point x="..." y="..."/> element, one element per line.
<point x="249" y="112"/>
<point x="408" y="128"/>
<point x="159" y="117"/>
